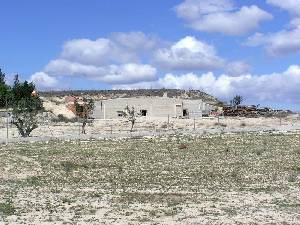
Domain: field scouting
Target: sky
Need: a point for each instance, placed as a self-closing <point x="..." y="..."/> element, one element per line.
<point x="222" y="47"/>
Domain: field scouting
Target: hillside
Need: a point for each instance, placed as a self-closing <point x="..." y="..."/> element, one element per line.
<point x="109" y="94"/>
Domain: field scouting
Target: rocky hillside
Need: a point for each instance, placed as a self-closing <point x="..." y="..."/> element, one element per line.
<point x="109" y="94"/>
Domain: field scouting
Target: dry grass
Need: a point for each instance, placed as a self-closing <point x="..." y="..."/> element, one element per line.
<point x="231" y="179"/>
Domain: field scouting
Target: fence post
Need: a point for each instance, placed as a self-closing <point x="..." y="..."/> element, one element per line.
<point x="6" y="104"/>
<point x="280" y="120"/>
<point x="78" y="124"/>
<point x="194" y="123"/>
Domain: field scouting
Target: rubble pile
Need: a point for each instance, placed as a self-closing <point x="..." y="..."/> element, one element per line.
<point x="253" y="111"/>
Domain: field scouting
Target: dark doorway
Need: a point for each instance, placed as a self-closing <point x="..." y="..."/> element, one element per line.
<point x="144" y="112"/>
<point x="185" y="112"/>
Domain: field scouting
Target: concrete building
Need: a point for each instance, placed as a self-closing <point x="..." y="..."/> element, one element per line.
<point x="151" y="107"/>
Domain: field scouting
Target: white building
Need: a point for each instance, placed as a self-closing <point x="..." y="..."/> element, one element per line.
<point x="151" y="107"/>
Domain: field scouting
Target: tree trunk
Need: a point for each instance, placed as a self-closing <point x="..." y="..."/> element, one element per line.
<point x="83" y="125"/>
<point x="132" y="124"/>
<point x="24" y="131"/>
<point x="30" y="129"/>
<point x="19" y="125"/>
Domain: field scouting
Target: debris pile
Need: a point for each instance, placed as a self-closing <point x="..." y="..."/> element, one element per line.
<point x="253" y="111"/>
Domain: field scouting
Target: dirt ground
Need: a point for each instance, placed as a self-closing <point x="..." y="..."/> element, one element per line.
<point x="48" y="130"/>
<point x="246" y="178"/>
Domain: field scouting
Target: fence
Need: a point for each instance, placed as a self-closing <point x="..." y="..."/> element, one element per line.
<point x="143" y="126"/>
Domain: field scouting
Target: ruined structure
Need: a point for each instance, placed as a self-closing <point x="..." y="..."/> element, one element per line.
<point x="152" y="107"/>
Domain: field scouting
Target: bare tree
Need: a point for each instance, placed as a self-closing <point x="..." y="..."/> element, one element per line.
<point x="83" y="110"/>
<point x="131" y="115"/>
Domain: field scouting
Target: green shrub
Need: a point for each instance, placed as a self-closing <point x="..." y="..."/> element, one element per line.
<point x="7" y="208"/>
<point x="63" y="119"/>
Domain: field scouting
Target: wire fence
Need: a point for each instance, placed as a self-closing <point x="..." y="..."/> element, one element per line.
<point x="49" y="130"/>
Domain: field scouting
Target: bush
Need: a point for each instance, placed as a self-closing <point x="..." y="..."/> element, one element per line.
<point x="62" y="119"/>
<point x="220" y="124"/>
<point x="243" y="124"/>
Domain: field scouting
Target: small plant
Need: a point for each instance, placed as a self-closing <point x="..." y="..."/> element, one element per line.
<point x="183" y="146"/>
<point x="67" y="200"/>
<point x="7" y="208"/>
<point x="131" y="115"/>
<point x="243" y="124"/>
<point x="164" y="126"/>
<point x="220" y="124"/>
<point x="63" y="119"/>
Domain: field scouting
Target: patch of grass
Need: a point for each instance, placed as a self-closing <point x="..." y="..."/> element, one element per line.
<point x="69" y="166"/>
<point x="7" y="208"/>
<point x="34" y="181"/>
<point x="67" y="201"/>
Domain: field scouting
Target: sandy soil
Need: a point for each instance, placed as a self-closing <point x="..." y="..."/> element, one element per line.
<point x="154" y="126"/>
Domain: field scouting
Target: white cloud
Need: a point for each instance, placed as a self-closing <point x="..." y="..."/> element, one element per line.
<point x="44" y="81"/>
<point x="193" y="9"/>
<point x="221" y="16"/>
<point x="118" y="48"/>
<point x="286" y="41"/>
<point x="98" y="52"/>
<point x="276" y="87"/>
<point x="188" y="54"/>
<point x="292" y="6"/>
<point x="111" y="74"/>
<point x="128" y="73"/>
<point x="237" y="68"/>
<point x="114" y="60"/>
<point x="280" y="43"/>
<point x="136" y="41"/>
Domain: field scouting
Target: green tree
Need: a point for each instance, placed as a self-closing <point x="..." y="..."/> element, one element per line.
<point x="25" y="106"/>
<point x="237" y="100"/>
<point x="4" y="90"/>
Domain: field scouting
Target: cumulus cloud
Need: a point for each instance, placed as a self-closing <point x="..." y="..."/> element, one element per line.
<point x="221" y="16"/>
<point x="237" y="68"/>
<point x="44" y="81"/>
<point x="110" y="74"/>
<point x="280" y="43"/>
<point x="113" y="60"/>
<point x="275" y="87"/>
<point x="292" y="6"/>
<point x="118" y="48"/>
<point x="286" y="41"/>
<point x="136" y="41"/>
<point x="188" y="54"/>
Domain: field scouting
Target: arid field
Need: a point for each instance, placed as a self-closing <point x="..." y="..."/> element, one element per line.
<point x="210" y="179"/>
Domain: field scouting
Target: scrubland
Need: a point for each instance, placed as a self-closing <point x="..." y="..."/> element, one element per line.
<point x="250" y="178"/>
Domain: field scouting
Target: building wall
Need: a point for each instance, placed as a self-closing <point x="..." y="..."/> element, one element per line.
<point x="155" y="107"/>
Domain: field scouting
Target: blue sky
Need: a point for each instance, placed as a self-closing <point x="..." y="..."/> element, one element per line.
<point x="223" y="47"/>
